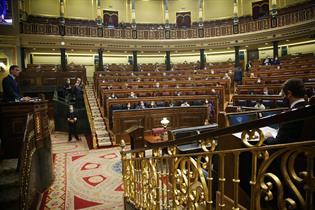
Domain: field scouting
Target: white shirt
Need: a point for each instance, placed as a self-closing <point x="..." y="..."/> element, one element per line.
<point x="297" y="101"/>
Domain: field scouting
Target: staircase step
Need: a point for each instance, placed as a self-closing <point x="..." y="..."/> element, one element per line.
<point x="8" y="166"/>
<point x="104" y="141"/>
<point x="100" y="127"/>
<point x="98" y="119"/>
<point x="101" y="132"/>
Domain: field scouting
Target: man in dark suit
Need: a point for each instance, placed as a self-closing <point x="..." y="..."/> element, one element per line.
<point x="72" y="119"/>
<point x="11" y="91"/>
<point x="294" y="91"/>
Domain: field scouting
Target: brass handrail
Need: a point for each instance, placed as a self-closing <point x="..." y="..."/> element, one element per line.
<point x="305" y="113"/>
<point x="156" y="177"/>
<point x="25" y="161"/>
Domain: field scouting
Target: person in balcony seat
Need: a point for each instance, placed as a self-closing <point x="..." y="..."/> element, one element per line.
<point x="294" y="91"/>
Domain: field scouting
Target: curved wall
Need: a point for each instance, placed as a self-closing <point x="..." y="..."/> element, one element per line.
<point x="147" y="11"/>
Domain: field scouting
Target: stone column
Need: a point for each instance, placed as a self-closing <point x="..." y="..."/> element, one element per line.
<point x="133" y="13"/>
<point x="22" y="10"/>
<point x="202" y="59"/>
<point x="31" y="58"/>
<point x="200" y="12"/>
<point x="274" y="13"/>
<point x="100" y="59"/>
<point x="22" y="50"/>
<point x="168" y="60"/>
<point x="62" y="31"/>
<point x="275" y="49"/>
<point x="166" y="15"/>
<point x="135" y="60"/>
<point x="63" y="59"/>
<point x="235" y="19"/>
<point x="98" y="13"/>
<point x="237" y="56"/>
<point x="62" y="12"/>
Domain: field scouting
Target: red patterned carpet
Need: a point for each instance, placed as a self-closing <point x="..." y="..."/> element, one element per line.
<point x="84" y="179"/>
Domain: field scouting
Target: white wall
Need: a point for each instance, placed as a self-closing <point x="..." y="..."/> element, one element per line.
<point x="149" y="11"/>
<point x="110" y="59"/>
<point x="310" y="48"/>
<point x="151" y="59"/>
<point x="46" y="59"/>
<point x="263" y="53"/>
<point x="220" y="57"/>
<point x="185" y="57"/>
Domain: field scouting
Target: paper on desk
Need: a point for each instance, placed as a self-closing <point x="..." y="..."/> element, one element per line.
<point x="263" y="129"/>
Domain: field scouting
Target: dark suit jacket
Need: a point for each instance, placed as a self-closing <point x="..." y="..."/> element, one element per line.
<point x="289" y="132"/>
<point x="11" y="89"/>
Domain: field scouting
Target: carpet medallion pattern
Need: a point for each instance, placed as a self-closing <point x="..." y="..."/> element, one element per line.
<point x="86" y="180"/>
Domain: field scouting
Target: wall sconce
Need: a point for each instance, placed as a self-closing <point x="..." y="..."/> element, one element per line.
<point x="165" y="123"/>
<point x="2" y="67"/>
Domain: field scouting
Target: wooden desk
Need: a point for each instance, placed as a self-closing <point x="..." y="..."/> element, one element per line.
<point x="180" y="117"/>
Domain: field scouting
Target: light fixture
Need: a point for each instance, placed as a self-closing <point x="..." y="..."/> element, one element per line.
<point x="165" y="123"/>
<point x="2" y="67"/>
<point x="62" y="43"/>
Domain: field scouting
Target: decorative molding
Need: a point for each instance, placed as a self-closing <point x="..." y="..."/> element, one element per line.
<point x="79" y="42"/>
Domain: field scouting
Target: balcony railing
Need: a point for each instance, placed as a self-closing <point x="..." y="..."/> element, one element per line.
<point x="214" y="29"/>
<point x="251" y="176"/>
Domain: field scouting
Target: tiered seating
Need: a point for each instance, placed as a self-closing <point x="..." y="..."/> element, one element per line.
<point x="162" y="93"/>
<point x="264" y="82"/>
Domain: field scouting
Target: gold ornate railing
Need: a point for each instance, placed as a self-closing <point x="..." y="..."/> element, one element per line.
<point x="90" y="119"/>
<point x="253" y="177"/>
<point x="27" y="154"/>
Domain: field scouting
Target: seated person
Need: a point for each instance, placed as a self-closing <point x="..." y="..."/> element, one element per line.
<point x="226" y="76"/>
<point x="132" y="95"/>
<point x="276" y="61"/>
<point x="265" y="91"/>
<point x="112" y="96"/>
<point x="259" y="81"/>
<point x="294" y="92"/>
<point x="141" y="105"/>
<point x="259" y="105"/>
<point x="185" y="104"/>
<point x="152" y="104"/>
<point x="267" y="61"/>
<point x="249" y="66"/>
<point x="11" y="90"/>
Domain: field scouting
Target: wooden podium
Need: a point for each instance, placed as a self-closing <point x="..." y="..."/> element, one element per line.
<point x="25" y="135"/>
<point x="13" y="122"/>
